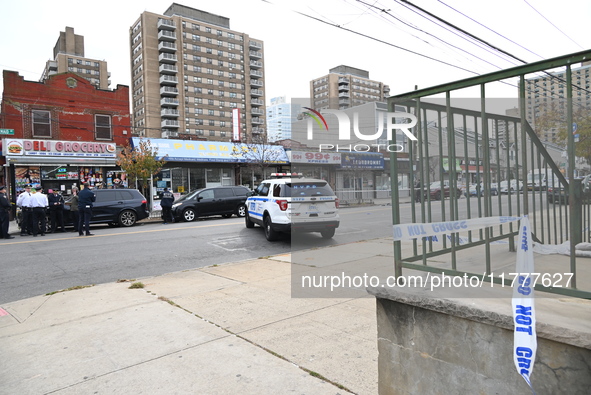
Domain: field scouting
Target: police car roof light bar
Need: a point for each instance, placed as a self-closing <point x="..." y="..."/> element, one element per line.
<point x="283" y="175"/>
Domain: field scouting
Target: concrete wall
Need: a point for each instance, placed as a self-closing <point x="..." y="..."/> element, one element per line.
<point x="437" y="346"/>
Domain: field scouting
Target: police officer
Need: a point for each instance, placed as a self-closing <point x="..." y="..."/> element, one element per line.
<point x="4" y="214"/>
<point x="56" y="211"/>
<point x="86" y="200"/>
<point x="25" y="202"/>
<point x="166" y="203"/>
<point x="40" y="204"/>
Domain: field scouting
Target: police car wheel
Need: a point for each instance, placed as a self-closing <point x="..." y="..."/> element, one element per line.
<point x="241" y="211"/>
<point x="248" y="222"/>
<point x="328" y="233"/>
<point x="270" y="233"/>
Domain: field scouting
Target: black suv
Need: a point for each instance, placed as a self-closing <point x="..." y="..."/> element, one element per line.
<point x="223" y="201"/>
<point x="123" y="207"/>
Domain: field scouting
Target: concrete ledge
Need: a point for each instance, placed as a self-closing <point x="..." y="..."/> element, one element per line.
<point x="437" y="345"/>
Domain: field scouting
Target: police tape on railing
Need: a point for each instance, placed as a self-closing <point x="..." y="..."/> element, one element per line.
<point x="524" y="317"/>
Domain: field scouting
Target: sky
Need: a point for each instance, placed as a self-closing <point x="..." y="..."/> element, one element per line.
<point x="303" y="39"/>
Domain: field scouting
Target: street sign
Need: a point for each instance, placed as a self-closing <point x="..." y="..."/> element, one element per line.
<point x="6" y="131"/>
<point x="576" y="135"/>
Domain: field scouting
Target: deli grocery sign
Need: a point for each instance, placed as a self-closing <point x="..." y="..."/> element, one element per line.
<point x="57" y="148"/>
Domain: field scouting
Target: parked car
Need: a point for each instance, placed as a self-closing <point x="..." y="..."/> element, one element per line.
<point x="507" y="187"/>
<point x="479" y="190"/>
<point x="436" y="191"/>
<point x="288" y="203"/>
<point x="116" y="207"/>
<point x="559" y="194"/>
<point x="224" y="201"/>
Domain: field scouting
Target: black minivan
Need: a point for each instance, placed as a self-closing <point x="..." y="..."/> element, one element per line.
<point x="223" y="201"/>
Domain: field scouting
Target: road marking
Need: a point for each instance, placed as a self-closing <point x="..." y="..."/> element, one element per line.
<point x="119" y="234"/>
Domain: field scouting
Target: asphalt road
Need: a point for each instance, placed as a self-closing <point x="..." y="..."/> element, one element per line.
<point x="34" y="266"/>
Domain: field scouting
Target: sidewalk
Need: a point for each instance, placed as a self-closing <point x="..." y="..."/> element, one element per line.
<point x="229" y="329"/>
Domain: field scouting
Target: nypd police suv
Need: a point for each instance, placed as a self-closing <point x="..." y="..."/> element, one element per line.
<point x="288" y="203"/>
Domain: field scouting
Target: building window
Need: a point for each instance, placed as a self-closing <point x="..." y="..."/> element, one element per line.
<point x="103" y="127"/>
<point x="41" y="123"/>
<point x="211" y="122"/>
<point x="212" y="132"/>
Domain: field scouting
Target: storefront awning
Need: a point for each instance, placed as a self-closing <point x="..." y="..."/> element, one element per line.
<point x="44" y="161"/>
<point x="215" y="151"/>
<point x="36" y="152"/>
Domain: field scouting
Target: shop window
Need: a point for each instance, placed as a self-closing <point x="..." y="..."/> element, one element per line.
<point x="103" y="127"/>
<point x="41" y="123"/>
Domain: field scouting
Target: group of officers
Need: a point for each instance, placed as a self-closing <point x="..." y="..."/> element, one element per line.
<point x="34" y="207"/>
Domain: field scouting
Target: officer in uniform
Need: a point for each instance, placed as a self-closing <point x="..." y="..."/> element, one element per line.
<point x="5" y="207"/>
<point x="56" y="210"/>
<point x="40" y="204"/>
<point x="166" y="203"/>
<point x="25" y="202"/>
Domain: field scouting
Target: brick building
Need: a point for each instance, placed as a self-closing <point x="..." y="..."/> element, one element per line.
<point x="61" y="132"/>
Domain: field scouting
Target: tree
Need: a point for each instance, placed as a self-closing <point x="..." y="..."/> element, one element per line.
<point x="258" y="155"/>
<point x="140" y="163"/>
<point x="555" y="118"/>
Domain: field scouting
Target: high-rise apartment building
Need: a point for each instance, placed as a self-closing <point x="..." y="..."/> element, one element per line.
<point x="280" y="116"/>
<point x="548" y="93"/>
<point x="346" y="87"/>
<point x="190" y="71"/>
<point x="68" y="55"/>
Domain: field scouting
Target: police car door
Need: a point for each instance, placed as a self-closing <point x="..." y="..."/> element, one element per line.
<point x="256" y="202"/>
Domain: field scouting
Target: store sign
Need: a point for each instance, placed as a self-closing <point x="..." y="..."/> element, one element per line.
<point x="56" y="148"/>
<point x="358" y="160"/>
<point x="215" y="151"/>
<point x="329" y="158"/>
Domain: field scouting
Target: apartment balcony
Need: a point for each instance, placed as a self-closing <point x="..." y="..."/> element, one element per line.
<point x="257" y="130"/>
<point x="256" y="102"/>
<point x="52" y="65"/>
<point x="170" y="123"/>
<point x="256" y="73"/>
<point x="256" y="83"/>
<point x="165" y="24"/>
<point x="257" y="121"/>
<point x="165" y="46"/>
<point x="255" y="45"/>
<point x="343" y="80"/>
<point x="255" y="64"/>
<point x="168" y="80"/>
<point x="343" y="87"/>
<point x="344" y="95"/>
<point x="168" y="101"/>
<point x="167" y="58"/>
<point x="168" y="69"/>
<point x="168" y="134"/>
<point x="164" y="35"/>
<point x="257" y="111"/>
<point x="257" y="92"/>
<point x="168" y="91"/>
<point x="255" y="54"/>
<point x="344" y="101"/>
<point x="169" y="113"/>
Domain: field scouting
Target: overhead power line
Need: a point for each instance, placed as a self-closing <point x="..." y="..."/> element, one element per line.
<point x="556" y="27"/>
<point x="488" y="28"/>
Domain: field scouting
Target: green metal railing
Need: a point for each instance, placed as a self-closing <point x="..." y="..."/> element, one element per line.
<point x="469" y="144"/>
